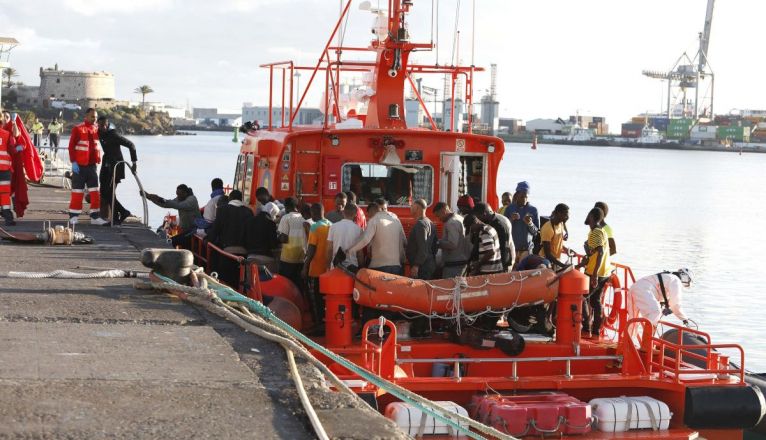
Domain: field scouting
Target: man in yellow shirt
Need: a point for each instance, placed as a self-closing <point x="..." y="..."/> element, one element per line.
<point x="598" y="268"/>
<point x="54" y="134"/>
<point x="37" y="132"/>
<point x="552" y="236"/>
<point x="505" y="199"/>
<point x="608" y="229"/>
<point x="316" y="262"/>
<point x="292" y="235"/>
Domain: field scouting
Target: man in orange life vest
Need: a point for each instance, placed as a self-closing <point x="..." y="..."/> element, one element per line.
<point x="7" y="148"/>
<point x="85" y="155"/>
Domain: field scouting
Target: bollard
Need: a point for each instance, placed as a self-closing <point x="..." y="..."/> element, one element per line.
<point x="338" y="289"/>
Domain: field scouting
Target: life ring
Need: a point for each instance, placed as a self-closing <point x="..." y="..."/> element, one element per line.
<point x="614" y="313"/>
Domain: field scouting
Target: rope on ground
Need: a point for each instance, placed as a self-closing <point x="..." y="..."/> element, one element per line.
<point x="256" y="325"/>
<point x="461" y="423"/>
<point x="65" y="274"/>
<point x="208" y="299"/>
<point x="315" y="422"/>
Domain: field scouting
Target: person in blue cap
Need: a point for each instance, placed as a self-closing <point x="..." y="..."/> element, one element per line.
<point x="525" y="222"/>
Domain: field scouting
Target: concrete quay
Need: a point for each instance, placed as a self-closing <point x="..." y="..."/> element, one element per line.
<point x="97" y="358"/>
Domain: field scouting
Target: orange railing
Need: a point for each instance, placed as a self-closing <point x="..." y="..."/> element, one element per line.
<point x="207" y="254"/>
<point x="678" y="358"/>
<point x="683" y="361"/>
<point x="380" y="359"/>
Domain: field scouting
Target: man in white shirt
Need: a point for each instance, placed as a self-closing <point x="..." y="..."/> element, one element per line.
<point x="386" y="238"/>
<point x="210" y="209"/>
<point x="658" y="295"/>
<point x="343" y="235"/>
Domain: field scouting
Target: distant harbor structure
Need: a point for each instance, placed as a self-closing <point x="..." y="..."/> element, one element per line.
<point x="68" y="85"/>
<point x="489" y="121"/>
<point x="260" y="113"/>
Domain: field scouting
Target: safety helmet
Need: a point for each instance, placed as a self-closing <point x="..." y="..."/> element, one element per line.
<point x="685" y="275"/>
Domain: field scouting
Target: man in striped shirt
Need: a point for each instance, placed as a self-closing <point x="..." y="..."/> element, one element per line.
<point x="598" y="269"/>
<point x="487" y="243"/>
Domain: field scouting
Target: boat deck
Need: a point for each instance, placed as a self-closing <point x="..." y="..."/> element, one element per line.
<point x="98" y="359"/>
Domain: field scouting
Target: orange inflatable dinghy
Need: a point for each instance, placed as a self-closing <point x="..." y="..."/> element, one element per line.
<point x="500" y="291"/>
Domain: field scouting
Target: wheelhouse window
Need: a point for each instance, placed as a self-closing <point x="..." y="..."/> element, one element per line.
<point x="397" y="184"/>
<point x="239" y="173"/>
<point x="248" y="180"/>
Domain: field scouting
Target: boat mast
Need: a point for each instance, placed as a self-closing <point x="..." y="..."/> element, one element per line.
<point x="387" y="105"/>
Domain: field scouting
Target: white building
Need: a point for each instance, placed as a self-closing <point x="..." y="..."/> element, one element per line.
<point x="552" y="126"/>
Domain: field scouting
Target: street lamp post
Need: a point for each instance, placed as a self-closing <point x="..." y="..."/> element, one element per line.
<point x="6" y="44"/>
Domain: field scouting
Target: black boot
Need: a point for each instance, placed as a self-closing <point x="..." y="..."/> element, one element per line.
<point x="8" y="216"/>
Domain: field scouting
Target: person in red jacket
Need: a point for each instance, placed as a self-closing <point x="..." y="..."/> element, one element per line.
<point x="7" y="149"/>
<point x="85" y="155"/>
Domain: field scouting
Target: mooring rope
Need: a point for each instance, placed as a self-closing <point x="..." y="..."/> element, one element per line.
<point x="206" y="296"/>
<point x="65" y="274"/>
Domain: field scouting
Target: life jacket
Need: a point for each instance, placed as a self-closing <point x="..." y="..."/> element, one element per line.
<point x="5" y="150"/>
<point x="84" y="145"/>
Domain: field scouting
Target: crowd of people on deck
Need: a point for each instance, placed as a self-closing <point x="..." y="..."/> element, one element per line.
<point x="305" y="241"/>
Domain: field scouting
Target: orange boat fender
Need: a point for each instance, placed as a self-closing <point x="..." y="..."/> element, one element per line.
<point x="614" y="313"/>
<point x="501" y="291"/>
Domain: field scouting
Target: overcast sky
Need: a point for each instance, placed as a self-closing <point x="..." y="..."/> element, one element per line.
<point x="554" y="57"/>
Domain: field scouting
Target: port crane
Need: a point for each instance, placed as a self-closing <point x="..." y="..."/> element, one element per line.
<point x="691" y="73"/>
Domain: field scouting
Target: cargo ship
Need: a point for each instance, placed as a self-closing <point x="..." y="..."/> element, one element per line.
<point x="627" y="382"/>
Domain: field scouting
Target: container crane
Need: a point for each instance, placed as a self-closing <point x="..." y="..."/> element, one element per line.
<point x="691" y="73"/>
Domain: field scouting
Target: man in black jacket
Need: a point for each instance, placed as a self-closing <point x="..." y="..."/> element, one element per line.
<point x="111" y="142"/>
<point x="228" y="231"/>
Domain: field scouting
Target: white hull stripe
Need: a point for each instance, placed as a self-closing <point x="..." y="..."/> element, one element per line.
<point x="5" y="182"/>
<point x="75" y="211"/>
<point x="5" y="162"/>
<point x="80" y="191"/>
<point x="95" y="188"/>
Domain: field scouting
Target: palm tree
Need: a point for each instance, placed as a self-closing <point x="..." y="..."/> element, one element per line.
<point x="143" y="91"/>
<point x="9" y="74"/>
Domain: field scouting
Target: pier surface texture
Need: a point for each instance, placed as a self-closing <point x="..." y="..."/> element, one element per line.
<point x="96" y="358"/>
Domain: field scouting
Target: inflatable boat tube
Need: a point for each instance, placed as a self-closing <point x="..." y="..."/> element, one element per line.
<point x="500" y="291"/>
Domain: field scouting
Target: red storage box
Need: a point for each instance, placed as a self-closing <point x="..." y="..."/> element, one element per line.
<point x="534" y="414"/>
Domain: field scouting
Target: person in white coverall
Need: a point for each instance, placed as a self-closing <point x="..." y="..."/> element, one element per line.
<point x="646" y="299"/>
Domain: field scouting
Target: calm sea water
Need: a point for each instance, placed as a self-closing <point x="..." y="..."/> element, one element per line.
<point x="668" y="209"/>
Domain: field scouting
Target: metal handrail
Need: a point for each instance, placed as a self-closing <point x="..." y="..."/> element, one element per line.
<point x="507" y="360"/>
<point x="140" y="187"/>
<point x="513" y="361"/>
<point x="712" y="357"/>
<point x="380" y="358"/>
